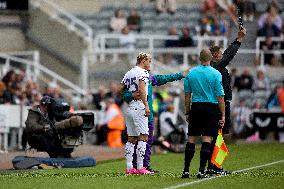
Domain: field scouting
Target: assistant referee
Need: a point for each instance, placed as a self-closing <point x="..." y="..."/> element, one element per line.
<point x="219" y="62"/>
<point x="203" y="92"/>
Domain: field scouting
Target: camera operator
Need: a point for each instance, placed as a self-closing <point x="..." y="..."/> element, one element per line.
<point x="46" y="122"/>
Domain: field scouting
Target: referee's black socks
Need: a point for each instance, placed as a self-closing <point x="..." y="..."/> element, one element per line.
<point x="210" y="165"/>
<point x="204" y="155"/>
<point x="188" y="155"/>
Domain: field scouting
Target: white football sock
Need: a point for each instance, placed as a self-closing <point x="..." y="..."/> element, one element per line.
<point x="140" y="152"/>
<point x="129" y="151"/>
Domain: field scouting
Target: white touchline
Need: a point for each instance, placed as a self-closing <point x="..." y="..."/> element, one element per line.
<point x="237" y="171"/>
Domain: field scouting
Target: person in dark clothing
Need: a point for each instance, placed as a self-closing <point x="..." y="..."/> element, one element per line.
<point x="44" y="123"/>
<point x="134" y="21"/>
<point x="219" y="62"/>
<point x="245" y="81"/>
<point x="186" y="40"/>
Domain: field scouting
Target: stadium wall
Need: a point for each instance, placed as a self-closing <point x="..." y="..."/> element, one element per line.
<point x="61" y="49"/>
<point x="11" y="35"/>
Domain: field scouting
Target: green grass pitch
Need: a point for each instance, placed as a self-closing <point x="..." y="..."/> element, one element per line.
<point x="110" y="174"/>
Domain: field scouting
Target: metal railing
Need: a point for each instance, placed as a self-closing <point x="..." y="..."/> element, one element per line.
<point x="262" y="39"/>
<point x="101" y="51"/>
<point x="37" y="68"/>
<point x="100" y="44"/>
<point x="57" y="13"/>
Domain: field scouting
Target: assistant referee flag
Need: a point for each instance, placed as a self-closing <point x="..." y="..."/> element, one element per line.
<point x="220" y="151"/>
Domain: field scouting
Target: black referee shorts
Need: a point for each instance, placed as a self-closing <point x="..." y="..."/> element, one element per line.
<point x="204" y="119"/>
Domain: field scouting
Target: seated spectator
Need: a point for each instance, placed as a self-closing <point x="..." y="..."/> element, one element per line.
<point x="134" y="21"/>
<point x="172" y="42"/>
<point x="245" y="81"/>
<point x="166" y="5"/>
<point x="185" y="39"/>
<point x="270" y="23"/>
<point x="261" y="82"/>
<point x="240" y="116"/>
<point x="248" y="10"/>
<point x="234" y="76"/>
<point x="127" y="39"/>
<point x="2" y="89"/>
<point x="209" y="7"/>
<point x="118" y="22"/>
<point x="204" y="27"/>
<point x="269" y="57"/>
<point x="219" y="25"/>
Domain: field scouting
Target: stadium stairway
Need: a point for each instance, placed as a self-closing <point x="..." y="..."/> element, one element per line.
<point x="11" y="33"/>
<point x="107" y="71"/>
<point x="61" y="49"/>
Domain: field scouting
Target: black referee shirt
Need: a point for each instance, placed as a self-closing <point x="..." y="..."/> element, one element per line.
<point x="228" y="55"/>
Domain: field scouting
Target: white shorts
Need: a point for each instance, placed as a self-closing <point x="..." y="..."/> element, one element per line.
<point x="136" y="122"/>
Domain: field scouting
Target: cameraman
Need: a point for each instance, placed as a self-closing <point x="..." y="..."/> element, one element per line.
<point x="43" y="123"/>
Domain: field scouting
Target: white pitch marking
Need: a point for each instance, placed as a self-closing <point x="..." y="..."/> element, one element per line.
<point x="237" y="171"/>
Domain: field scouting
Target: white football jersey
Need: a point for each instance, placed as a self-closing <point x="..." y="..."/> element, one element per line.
<point x="131" y="81"/>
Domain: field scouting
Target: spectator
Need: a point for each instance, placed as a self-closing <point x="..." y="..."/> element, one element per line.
<point x="9" y="78"/>
<point x="166" y="5"/>
<point x="186" y="40"/>
<point x="2" y="89"/>
<point x="269" y="57"/>
<point x="112" y="125"/>
<point x="280" y="93"/>
<point x="219" y="26"/>
<point x="234" y="76"/>
<point x="113" y="92"/>
<point x="261" y="82"/>
<point x="98" y="97"/>
<point x="270" y="23"/>
<point x="118" y="22"/>
<point x="245" y="81"/>
<point x="127" y="40"/>
<point x="172" y="42"/>
<point x="134" y="21"/>
<point x="248" y="10"/>
<point x="209" y="7"/>
<point x="241" y="117"/>
<point x="204" y="27"/>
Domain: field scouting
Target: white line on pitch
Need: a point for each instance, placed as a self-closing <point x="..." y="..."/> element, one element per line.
<point x="237" y="171"/>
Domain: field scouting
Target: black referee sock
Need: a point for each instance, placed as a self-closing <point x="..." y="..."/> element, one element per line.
<point x="188" y="155"/>
<point x="210" y="165"/>
<point x="204" y="155"/>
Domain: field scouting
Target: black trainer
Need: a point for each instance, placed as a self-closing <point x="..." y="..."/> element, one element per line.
<point x="221" y="171"/>
<point x="153" y="171"/>
<point x="202" y="175"/>
<point x="185" y="174"/>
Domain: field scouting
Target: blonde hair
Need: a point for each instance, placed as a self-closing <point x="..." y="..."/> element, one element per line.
<point x="205" y="55"/>
<point x="141" y="56"/>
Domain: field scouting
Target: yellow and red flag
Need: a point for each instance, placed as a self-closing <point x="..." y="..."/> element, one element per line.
<point x="220" y="151"/>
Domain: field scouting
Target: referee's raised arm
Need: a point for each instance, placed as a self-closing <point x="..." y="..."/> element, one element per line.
<point x="220" y="61"/>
